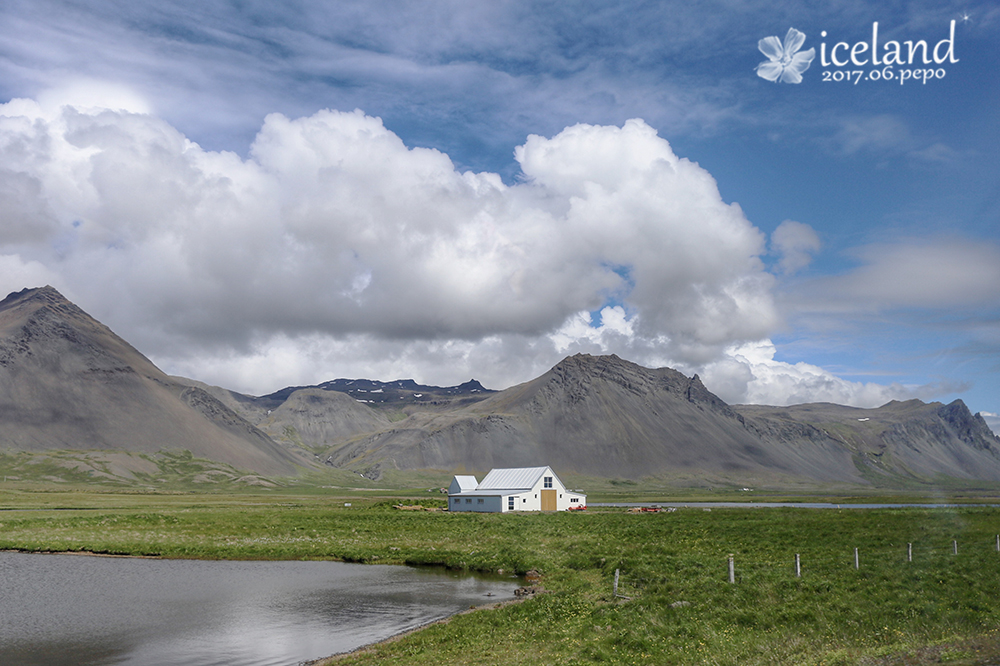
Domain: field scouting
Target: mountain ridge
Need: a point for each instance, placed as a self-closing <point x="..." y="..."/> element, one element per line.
<point x="68" y="382"/>
<point x="681" y="427"/>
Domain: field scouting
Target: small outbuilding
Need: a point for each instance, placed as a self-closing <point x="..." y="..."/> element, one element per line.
<point x="514" y="489"/>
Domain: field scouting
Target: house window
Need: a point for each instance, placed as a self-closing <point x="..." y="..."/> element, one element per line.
<point x="468" y="500"/>
<point x="510" y="503"/>
<point x="524" y="501"/>
<point x="548" y="482"/>
<point x="479" y="501"/>
<point x="573" y="500"/>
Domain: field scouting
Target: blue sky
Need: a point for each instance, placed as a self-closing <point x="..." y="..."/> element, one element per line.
<point x="169" y="166"/>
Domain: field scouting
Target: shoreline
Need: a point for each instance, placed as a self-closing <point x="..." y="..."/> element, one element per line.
<point x="370" y="647"/>
<point x="88" y="553"/>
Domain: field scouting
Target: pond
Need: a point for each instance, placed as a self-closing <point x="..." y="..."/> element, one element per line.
<point x="95" y="611"/>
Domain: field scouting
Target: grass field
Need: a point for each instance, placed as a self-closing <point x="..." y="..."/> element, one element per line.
<point x="681" y="609"/>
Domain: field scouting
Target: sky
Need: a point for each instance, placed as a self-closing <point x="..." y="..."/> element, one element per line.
<point x="264" y="194"/>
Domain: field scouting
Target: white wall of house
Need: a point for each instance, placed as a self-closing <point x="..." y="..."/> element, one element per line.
<point x="526" y="501"/>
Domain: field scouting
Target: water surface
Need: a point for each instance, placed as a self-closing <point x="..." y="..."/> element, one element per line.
<point x="96" y="611"/>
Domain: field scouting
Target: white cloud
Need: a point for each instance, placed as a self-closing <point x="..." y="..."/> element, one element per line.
<point x="336" y="250"/>
<point x="614" y="328"/>
<point x="750" y="374"/>
<point x="16" y="274"/>
<point x="333" y="227"/>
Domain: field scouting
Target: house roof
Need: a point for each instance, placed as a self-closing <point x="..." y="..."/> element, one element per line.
<point x="512" y="479"/>
<point x="465" y="483"/>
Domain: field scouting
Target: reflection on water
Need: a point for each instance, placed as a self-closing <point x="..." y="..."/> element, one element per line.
<point x="66" y="609"/>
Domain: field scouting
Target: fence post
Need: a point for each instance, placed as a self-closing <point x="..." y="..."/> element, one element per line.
<point x="954" y="545"/>
<point x="998" y="543"/>
<point x="616" y="582"/>
<point x="798" y="566"/>
<point x="909" y="552"/>
<point x="732" y="569"/>
<point x="857" y="563"/>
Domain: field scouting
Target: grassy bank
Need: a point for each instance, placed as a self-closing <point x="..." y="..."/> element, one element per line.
<point x="939" y="608"/>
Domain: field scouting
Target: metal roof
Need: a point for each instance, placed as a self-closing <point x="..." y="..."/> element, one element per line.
<point x="466" y="483"/>
<point x="512" y="479"/>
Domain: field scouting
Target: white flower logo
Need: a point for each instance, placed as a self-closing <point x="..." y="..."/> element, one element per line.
<point x="784" y="62"/>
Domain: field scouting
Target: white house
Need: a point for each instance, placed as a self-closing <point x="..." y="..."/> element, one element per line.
<point x="517" y="489"/>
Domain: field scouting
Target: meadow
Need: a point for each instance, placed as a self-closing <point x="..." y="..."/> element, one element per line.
<point x="677" y="605"/>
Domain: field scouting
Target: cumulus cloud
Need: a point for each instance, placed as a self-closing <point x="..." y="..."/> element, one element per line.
<point x="332" y="227"/>
<point x="750" y="374"/>
<point x="333" y="249"/>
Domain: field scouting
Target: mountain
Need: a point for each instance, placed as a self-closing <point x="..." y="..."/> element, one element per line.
<point x="911" y="438"/>
<point x="605" y="416"/>
<point x="68" y="382"/>
<point x="396" y="394"/>
<point x="600" y="416"/>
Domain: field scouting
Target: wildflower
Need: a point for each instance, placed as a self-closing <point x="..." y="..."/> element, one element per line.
<point x="784" y="62"/>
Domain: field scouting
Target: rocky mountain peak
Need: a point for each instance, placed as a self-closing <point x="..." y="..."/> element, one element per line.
<point x="584" y="369"/>
<point x="39" y="297"/>
<point x="45" y="309"/>
<point x="971" y="429"/>
<point x="697" y="392"/>
<point x="46" y="293"/>
<point x="470" y="386"/>
<point x="41" y="326"/>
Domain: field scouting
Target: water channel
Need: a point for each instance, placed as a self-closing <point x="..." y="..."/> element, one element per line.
<point x="97" y="611"/>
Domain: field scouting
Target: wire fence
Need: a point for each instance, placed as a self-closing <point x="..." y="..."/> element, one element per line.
<point x="734" y="569"/>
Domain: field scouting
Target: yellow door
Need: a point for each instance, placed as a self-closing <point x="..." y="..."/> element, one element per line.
<point x="548" y="500"/>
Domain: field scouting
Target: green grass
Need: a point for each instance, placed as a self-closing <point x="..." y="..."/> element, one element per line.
<point x="940" y="608"/>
